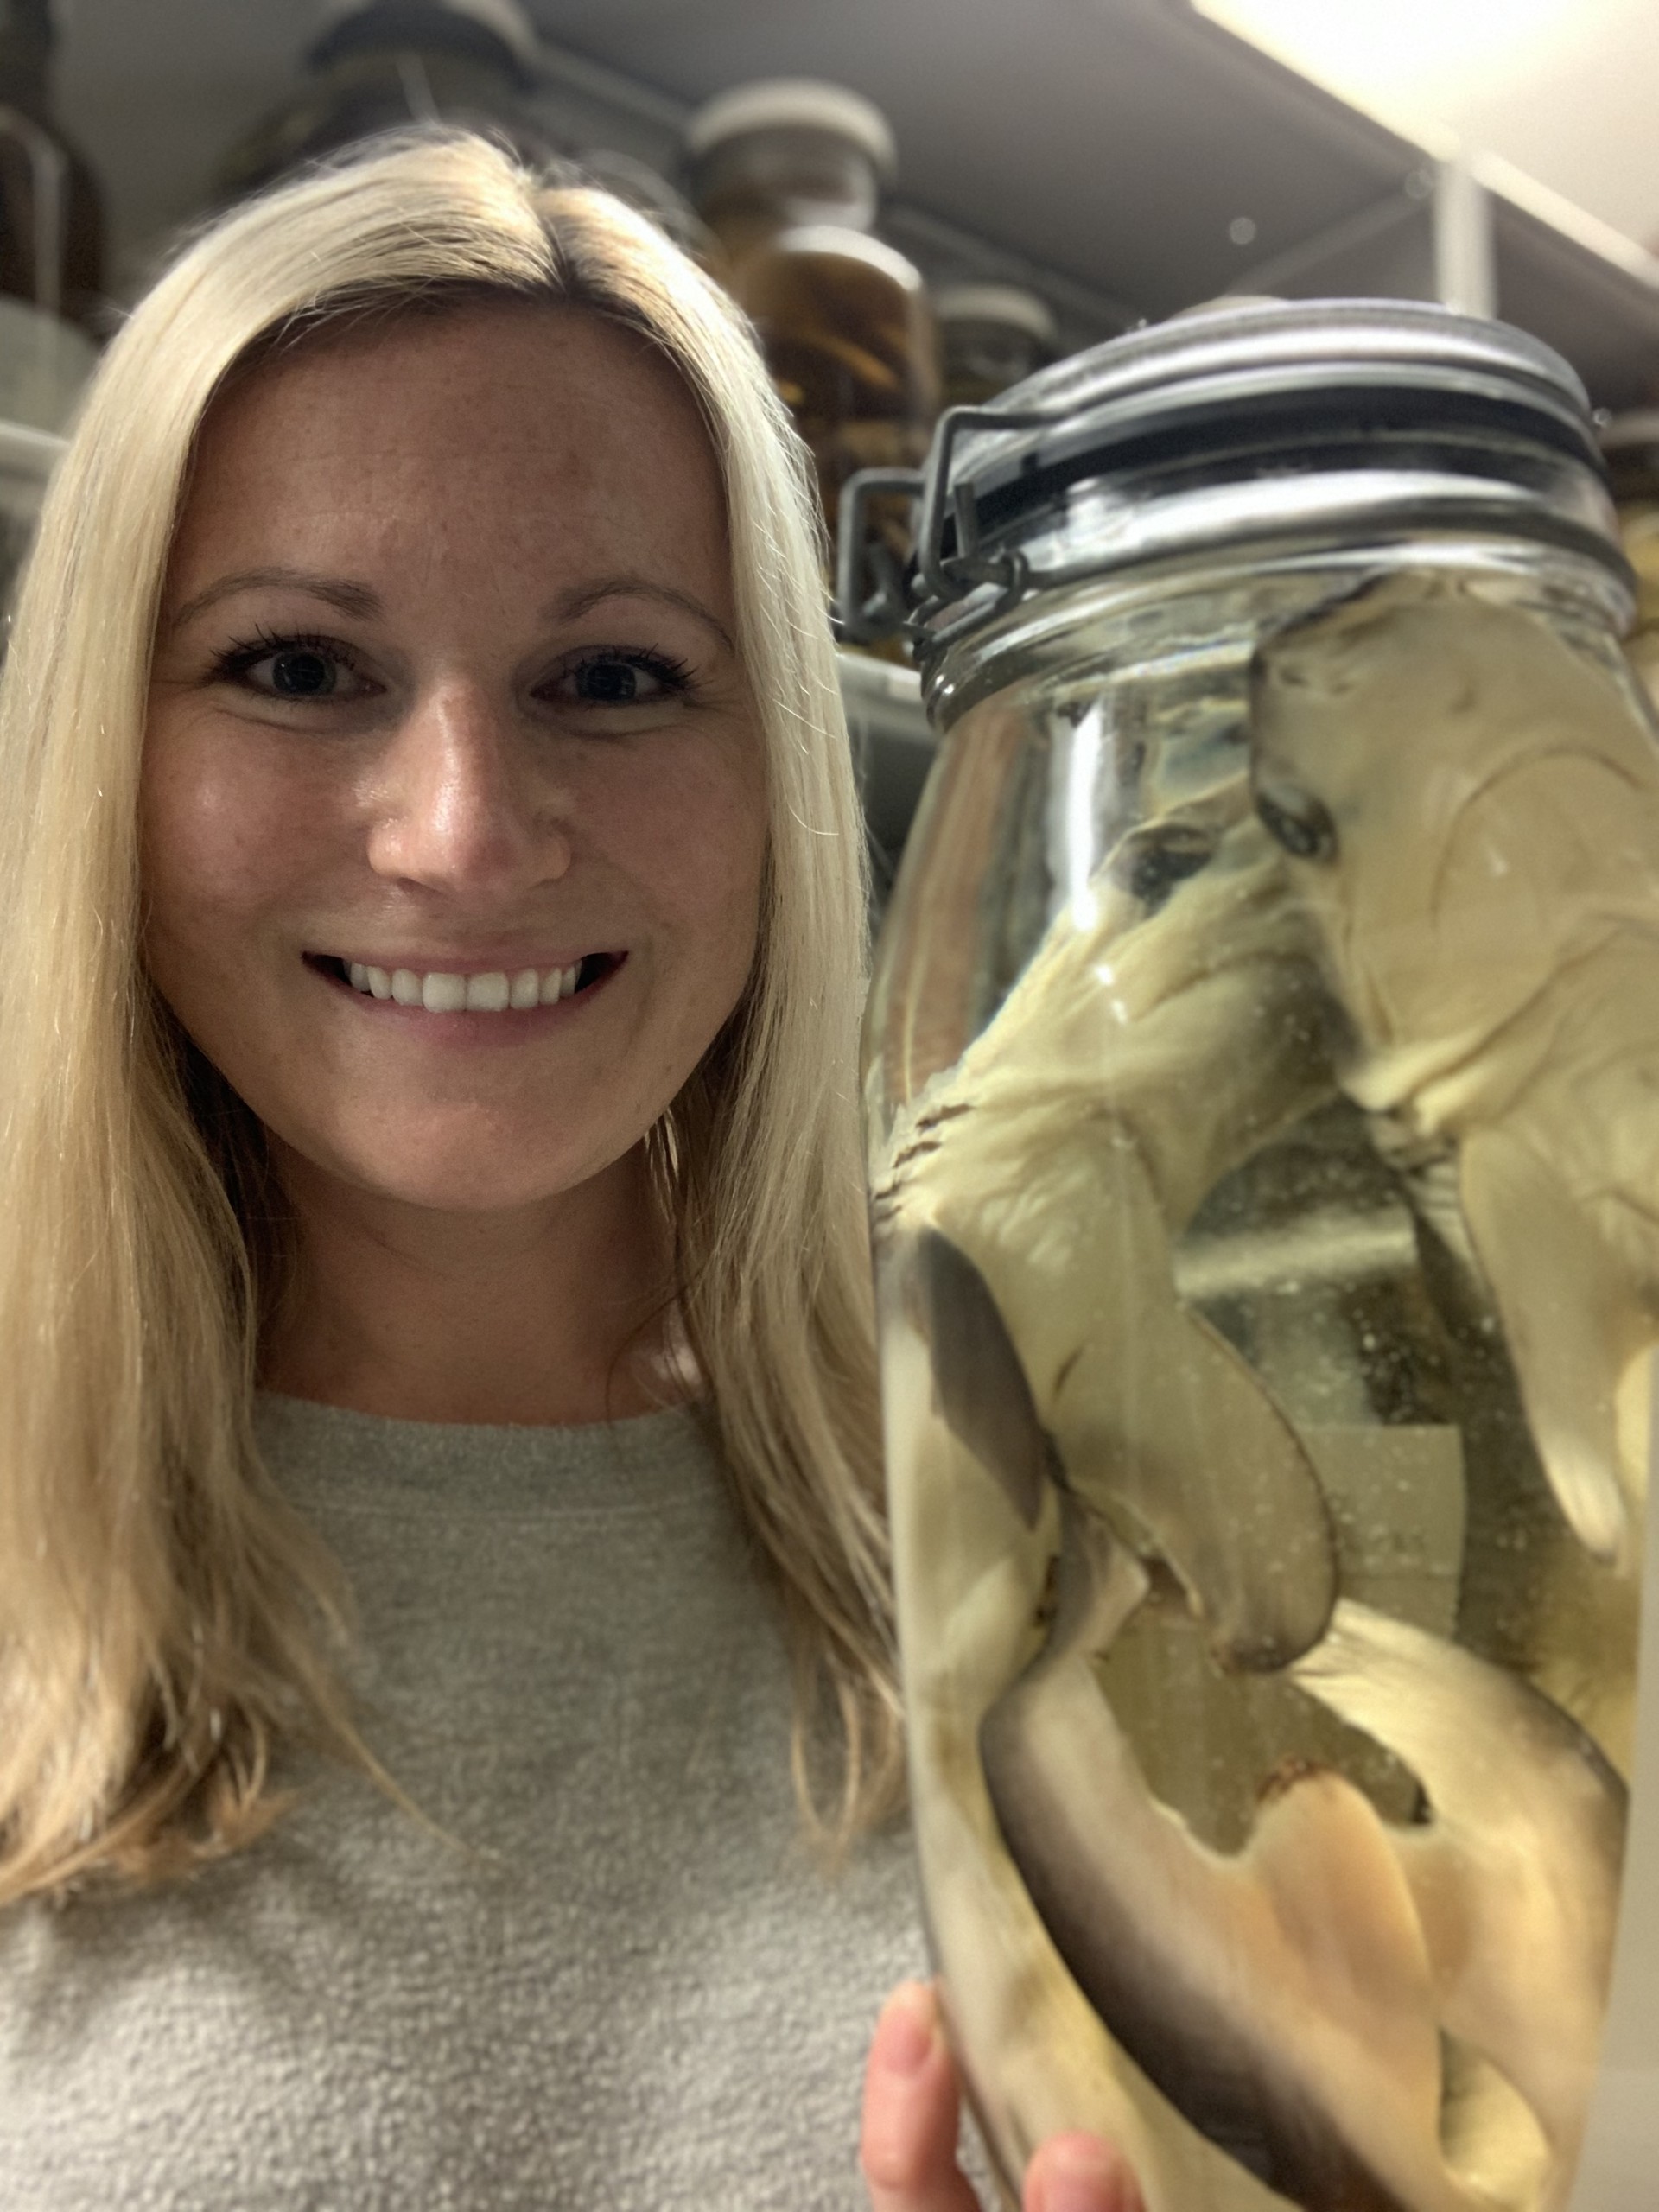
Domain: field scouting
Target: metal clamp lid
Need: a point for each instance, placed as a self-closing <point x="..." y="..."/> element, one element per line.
<point x="1467" y="412"/>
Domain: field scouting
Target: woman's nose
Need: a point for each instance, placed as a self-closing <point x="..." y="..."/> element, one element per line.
<point x="461" y="806"/>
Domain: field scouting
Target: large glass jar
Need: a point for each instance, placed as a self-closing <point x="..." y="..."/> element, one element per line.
<point x="1262" y="1075"/>
<point x="788" y="175"/>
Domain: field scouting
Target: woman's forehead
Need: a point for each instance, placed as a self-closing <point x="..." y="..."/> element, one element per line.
<point x="485" y="424"/>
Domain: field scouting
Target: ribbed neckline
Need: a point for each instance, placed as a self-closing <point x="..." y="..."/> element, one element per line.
<point x="329" y="1454"/>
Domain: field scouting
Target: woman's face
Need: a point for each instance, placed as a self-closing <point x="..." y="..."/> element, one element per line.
<point x="453" y="814"/>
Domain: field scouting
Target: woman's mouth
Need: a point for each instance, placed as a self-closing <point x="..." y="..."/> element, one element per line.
<point x="498" y="990"/>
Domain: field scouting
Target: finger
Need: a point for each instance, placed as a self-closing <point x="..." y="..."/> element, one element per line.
<point x="908" y="2145"/>
<point x="1079" y="2173"/>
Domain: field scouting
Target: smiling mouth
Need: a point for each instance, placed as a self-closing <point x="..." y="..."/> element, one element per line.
<point x="437" y="990"/>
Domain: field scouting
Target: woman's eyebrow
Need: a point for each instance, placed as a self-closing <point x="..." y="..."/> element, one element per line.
<point x="582" y="597"/>
<point x="336" y="591"/>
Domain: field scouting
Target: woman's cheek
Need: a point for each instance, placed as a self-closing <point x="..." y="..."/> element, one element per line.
<point x="220" y="811"/>
<point x="693" y="836"/>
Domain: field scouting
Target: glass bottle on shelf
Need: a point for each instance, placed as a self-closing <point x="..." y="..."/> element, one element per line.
<point x="788" y="175"/>
<point x="382" y="64"/>
<point x="51" y="234"/>
<point x="1258" y="1079"/>
<point x="991" y="336"/>
<point x="1630" y="444"/>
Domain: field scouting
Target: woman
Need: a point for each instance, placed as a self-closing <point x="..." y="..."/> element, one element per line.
<point x="431" y="960"/>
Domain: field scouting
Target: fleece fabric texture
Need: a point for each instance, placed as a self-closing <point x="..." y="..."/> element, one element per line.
<point x="620" y="1985"/>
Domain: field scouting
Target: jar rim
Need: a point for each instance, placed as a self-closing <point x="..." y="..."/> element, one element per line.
<point x="795" y="103"/>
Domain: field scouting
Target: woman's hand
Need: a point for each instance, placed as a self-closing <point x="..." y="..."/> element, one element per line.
<point x="908" y="2148"/>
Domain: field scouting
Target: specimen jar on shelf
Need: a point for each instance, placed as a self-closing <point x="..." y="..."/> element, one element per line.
<point x="788" y="174"/>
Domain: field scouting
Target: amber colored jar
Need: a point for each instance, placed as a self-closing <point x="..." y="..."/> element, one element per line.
<point x="788" y="176"/>
<point x="991" y="336"/>
<point x="389" y="63"/>
<point x="51" y="215"/>
<point x="1630" y="444"/>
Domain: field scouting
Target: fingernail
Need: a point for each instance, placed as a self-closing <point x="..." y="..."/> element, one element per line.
<point x="1080" y="2177"/>
<point x="908" y="2034"/>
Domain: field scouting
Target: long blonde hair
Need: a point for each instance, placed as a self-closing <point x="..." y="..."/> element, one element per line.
<point x="165" y="1620"/>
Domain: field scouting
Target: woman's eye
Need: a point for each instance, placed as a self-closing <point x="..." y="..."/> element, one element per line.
<point x="301" y="673"/>
<point x="617" y="679"/>
<point x="291" y="668"/>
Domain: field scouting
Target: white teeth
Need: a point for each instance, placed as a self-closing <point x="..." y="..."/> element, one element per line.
<point x="440" y="992"/>
<point x="488" y="994"/>
<point x="559" y="984"/>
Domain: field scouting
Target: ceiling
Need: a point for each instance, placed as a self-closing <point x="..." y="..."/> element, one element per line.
<point x="1075" y="132"/>
<point x="1566" y="90"/>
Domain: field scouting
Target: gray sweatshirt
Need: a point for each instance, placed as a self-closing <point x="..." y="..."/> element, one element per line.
<point x="624" y="1987"/>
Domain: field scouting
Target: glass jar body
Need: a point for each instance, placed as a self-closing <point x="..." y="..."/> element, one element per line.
<point x="849" y="341"/>
<point x="1253" y="1074"/>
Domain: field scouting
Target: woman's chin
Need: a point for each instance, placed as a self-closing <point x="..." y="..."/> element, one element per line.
<point x="476" y="1175"/>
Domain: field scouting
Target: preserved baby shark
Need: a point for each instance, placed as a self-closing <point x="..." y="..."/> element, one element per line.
<point x="1468" y="806"/>
<point x="1044" y="1187"/>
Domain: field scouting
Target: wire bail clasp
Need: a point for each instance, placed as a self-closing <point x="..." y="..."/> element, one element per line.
<point x="909" y="605"/>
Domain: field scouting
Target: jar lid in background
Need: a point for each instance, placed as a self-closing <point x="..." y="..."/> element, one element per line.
<point x="795" y="103"/>
<point x="1006" y="306"/>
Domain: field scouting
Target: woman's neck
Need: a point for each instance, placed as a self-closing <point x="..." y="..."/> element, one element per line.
<point x="557" y="1314"/>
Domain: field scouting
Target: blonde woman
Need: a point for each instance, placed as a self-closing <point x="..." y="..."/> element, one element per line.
<point x="436" y="1376"/>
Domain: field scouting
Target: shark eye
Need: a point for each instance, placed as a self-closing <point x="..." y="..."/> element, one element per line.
<point x="1155" y="860"/>
<point x="1298" y="822"/>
